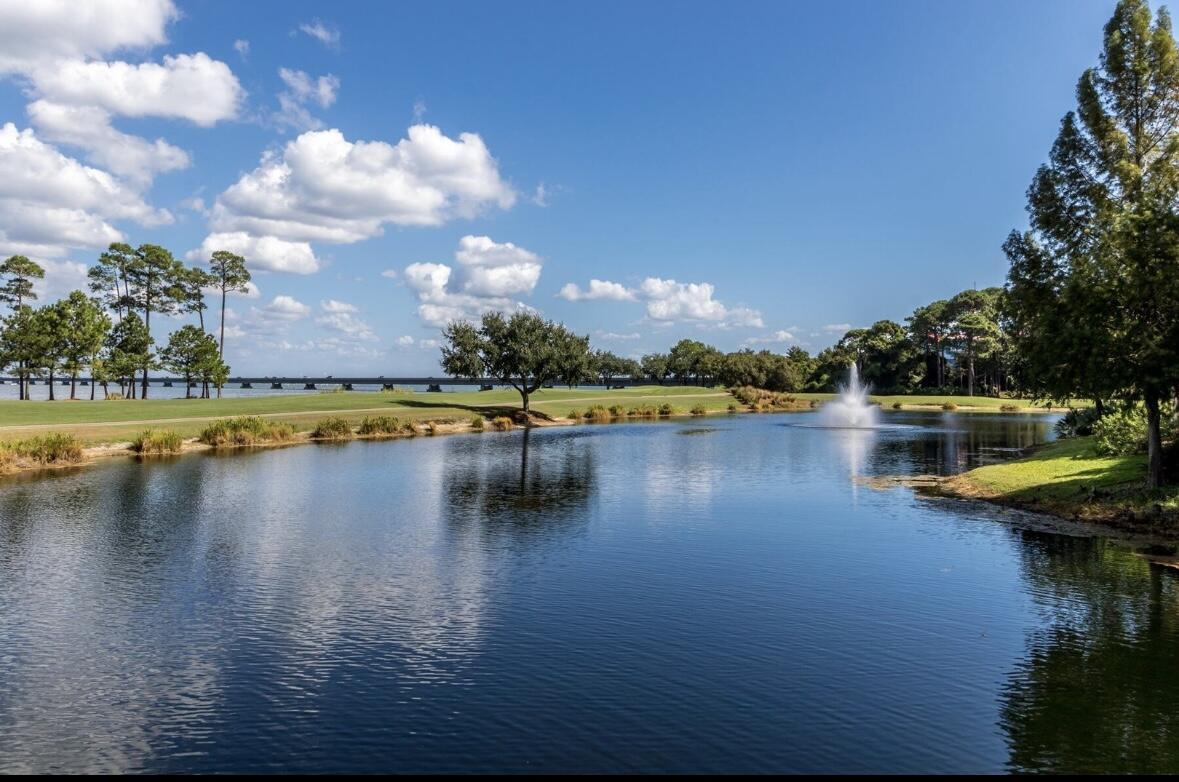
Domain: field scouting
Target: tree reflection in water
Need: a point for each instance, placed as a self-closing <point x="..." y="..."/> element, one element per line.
<point x="1098" y="690"/>
<point x="519" y="483"/>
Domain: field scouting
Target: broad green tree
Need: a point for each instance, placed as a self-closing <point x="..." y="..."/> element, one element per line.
<point x="52" y="339"/>
<point x="524" y="351"/>
<point x="1102" y="257"/>
<point x="128" y="349"/>
<point x="22" y="345"/>
<point x="85" y="327"/>
<point x="191" y="353"/>
<point x="655" y="366"/>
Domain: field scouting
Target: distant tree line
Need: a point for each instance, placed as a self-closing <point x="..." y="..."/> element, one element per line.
<point x="107" y="334"/>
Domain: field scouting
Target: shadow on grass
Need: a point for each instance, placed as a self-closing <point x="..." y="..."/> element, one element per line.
<point x="511" y="411"/>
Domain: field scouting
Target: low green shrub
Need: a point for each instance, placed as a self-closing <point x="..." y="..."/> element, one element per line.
<point x="617" y="411"/>
<point x="574" y="415"/>
<point x="1121" y="433"/>
<point x="897" y="405"/>
<point x="949" y="406"/>
<point x="733" y="407"/>
<point x="157" y="441"/>
<point x="332" y="429"/>
<point x="666" y="410"/>
<point x="246" y="430"/>
<point x="1009" y="408"/>
<point x="477" y="422"/>
<point x="698" y="409"/>
<point x="1077" y="423"/>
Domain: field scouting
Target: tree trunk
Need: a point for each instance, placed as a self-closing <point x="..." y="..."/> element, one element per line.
<point x="1154" y="442"/>
<point x="92" y="385"/>
<point x="52" y="398"/>
<point x="73" y="386"/>
<point x="147" y="325"/>
<point x="187" y="386"/>
<point x="524" y="396"/>
<point x="221" y="345"/>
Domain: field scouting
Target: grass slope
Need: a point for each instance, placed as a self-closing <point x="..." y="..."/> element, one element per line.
<point x="1070" y="478"/>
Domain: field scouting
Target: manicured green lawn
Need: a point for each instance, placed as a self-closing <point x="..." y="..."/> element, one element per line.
<point x="1070" y="474"/>
<point x="115" y="421"/>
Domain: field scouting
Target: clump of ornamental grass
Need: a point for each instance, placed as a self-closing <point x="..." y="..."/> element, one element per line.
<point x="478" y="422"/>
<point x="897" y="405"/>
<point x="114" y="396"/>
<point x="1009" y="408"/>
<point x="698" y="409"/>
<point x="574" y="415"/>
<point x="52" y="448"/>
<point x="732" y="408"/>
<point x="331" y="429"/>
<point x="246" y="430"/>
<point x="502" y="423"/>
<point x="157" y="441"/>
<point x="949" y="406"/>
<point x="666" y="409"/>
<point x="597" y="414"/>
<point x="758" y="399"/>
<point x="617" y="411"/>
<point x="383" y="425"/>
<point x="642" y="411"/>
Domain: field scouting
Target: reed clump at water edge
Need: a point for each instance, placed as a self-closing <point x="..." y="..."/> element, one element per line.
<point x="332" y="429"/>
<point x="54" y="448"/>
<point x="385" y="426"/>
<point x="246" y="430"/>
<point x="157" y="442"/>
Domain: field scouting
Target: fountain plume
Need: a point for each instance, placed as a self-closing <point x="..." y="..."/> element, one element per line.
<point x="850" y="409"/>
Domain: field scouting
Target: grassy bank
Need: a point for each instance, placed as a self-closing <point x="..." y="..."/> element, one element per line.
<point x="1070" y="479"/>
<point x="121" y="421"/>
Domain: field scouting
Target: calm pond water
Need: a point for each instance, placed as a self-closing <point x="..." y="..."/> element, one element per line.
<point x="711" y="595"/>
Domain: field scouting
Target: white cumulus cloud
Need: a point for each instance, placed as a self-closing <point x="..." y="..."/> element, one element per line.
<point x="283" y="307"/>
<point x="488" y="276"/>
<point x="50" y="202"/>
<point x="598" y="289"/>
<point x="264" y="252"/>
<point x="671" y="301"/>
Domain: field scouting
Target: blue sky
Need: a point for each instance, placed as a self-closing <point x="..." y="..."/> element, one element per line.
<point x="733" y="171"/>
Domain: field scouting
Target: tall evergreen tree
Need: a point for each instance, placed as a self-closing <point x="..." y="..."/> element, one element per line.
<point x="16" y="288"/>
<point x="1094" y="286"/>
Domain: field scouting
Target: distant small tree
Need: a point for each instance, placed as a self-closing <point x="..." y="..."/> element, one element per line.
<point x="524" y="351"/>
<point x="190" y="352"/>
<point x="109" y="279"/>
<point x="128" y="348"/>
<point x="17" y="274"/>
<point x="655" y="366"/>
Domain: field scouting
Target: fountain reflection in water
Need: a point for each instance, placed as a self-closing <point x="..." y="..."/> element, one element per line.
<point x="851" y="409"/>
